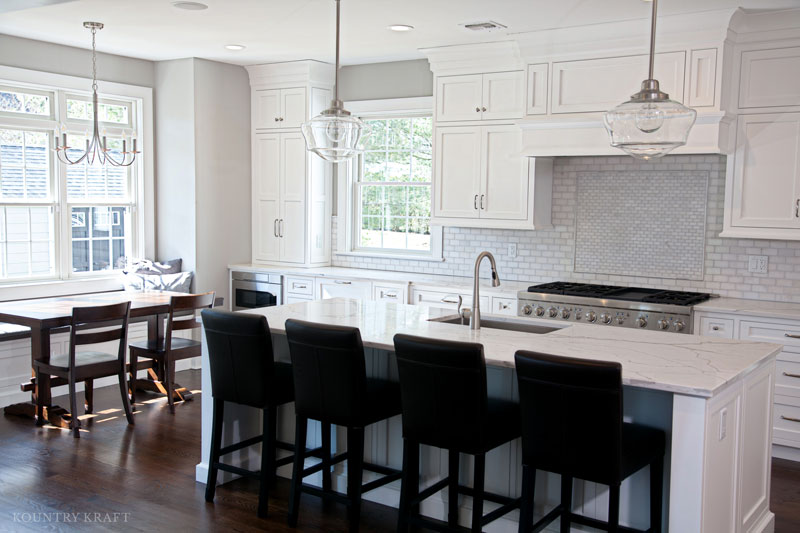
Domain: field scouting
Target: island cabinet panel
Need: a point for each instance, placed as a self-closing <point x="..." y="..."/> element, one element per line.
<point x="755" y="456"/>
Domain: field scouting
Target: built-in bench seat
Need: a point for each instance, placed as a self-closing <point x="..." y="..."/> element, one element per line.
<point x="13" y="331"/>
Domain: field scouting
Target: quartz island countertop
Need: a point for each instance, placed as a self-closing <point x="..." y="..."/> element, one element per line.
<point x="672" y="362"/>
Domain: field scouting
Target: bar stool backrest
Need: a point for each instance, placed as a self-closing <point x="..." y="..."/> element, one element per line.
<point x="329" y="371"/>
<point x="443" y="390"/>
<point x="571" y="415"/>
<point x="240" y="356"/>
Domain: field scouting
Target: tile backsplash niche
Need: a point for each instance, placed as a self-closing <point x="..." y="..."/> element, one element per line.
<point x="621" y="221"/>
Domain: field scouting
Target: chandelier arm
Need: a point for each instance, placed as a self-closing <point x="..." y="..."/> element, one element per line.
<point x="654" y="15"/>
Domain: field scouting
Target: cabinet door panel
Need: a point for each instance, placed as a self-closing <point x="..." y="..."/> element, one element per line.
<point x="292" y="230"/>
<point x="267" y="244"/>
<point x="266" y="189"/>
<point x="504" y="183"/>
<point x="537" y="89"/>
<point x="458" y="97"/>
<point x="503" y="95"/>
<point x="457" y="176"/>
<point x="293" y="107"/>
<point x="268" y="109"/>
<point x="293" y="197"/>
<point x="770" y="78"/>
<point x="767" y="172"/>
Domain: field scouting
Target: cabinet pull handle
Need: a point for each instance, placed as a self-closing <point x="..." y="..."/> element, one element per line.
<point x="394" y="295"/>
<point x="483" y="109"/>
<point x="475" y="202"/>
<point x="790" y="419"/>
<point x="503" y="306"/>
<point x="790" y="375"/>
<point x="477" y="109"/>
<point x="340" y="282"/>
<point x="297" y="286"/>
<point x="715" y="328"/>
<point x="280" y="228"/>
<point x="791" y="336"/>
<point x="797" y="208"/>
<point x="482" y="201"/>
<point x="445" y="300"/>
<point x="275" y="227"/>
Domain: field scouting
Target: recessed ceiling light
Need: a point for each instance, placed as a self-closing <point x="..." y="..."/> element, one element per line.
<point x="235" y="47"/>
<point x="400" y="27"/>
<point x="190" y="6"/>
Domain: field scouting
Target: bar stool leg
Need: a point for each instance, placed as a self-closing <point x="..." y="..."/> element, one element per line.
<point x="477" y="499"/>
<point x="267" y="461"/>
<point x="566" y="502"/>
<point x="217" y="414"/>
<point x="656" y="494"/>
<point x="270" y="424"/>
<point x="409" y="486"/>
<point x="613" y="509"/>
<point x="526" y="508"/>
<point x="297" y="471"/>
<point x="326" y="457"/>
<point x="355" y="469"/>
<point x="452" y="491"/>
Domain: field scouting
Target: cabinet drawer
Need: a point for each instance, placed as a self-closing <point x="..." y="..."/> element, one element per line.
<point x="788" y="335"/>
<point x="300" y="286"/>
<point x="786" y="423"/>
<point x="296" y="299"/>
<point x="344" y="288"/>
<point x="716" y="327"/>
<point x="446" y="300"/>
<point x="787" y="378"/>
<point x="504" y="306"/>
<point x="389" y="293"/>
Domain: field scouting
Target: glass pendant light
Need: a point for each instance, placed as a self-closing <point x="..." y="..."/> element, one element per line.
<point x="649" y="125"/>
<point x="334" y="134"/>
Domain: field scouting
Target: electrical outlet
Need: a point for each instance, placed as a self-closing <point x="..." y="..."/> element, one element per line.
<point x="723" y="423"/>
<point x="758" y="264"/>
<point x="512" y="250"/>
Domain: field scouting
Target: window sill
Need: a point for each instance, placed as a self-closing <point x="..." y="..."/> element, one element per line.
<point x="60" y="287"/>
<point x="406" y="257"/>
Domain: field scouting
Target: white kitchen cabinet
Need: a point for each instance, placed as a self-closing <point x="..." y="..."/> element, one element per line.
<point x="480" y="179"/>
<point x="279" y="108"/>
<point x="344" y="288"/>
<point x="491" y="96"/>
<point x="300" y="287"/>
<point x="536" y="94"/>
<point x="770" y="78"/>
<point x="390" y="292"/>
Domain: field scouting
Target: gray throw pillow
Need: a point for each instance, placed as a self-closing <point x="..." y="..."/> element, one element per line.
<point x="180" y="282"/>
<point x="152" y="268"/>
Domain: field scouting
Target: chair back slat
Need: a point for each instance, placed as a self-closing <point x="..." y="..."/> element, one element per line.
<point x="112" y="320"/>
<point x="99" y="313"/>
<point x="97" y="337"/>
<point x="184" y="306"/>
<point x="192" y="301"/>
<point x="186" y="323"/>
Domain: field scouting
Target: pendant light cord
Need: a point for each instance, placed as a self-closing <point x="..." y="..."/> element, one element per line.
<point x="652" y="38"/>
<point x="336" y="87"/>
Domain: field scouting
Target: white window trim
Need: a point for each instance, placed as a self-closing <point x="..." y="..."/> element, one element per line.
<point x="346" y="176"/>
<point x="144" y="244"/>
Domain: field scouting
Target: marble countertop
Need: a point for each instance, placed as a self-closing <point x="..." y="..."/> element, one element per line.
<point x="672" y="362"/>
<point x="762" y="308"/>
<point x="421" y="280"/>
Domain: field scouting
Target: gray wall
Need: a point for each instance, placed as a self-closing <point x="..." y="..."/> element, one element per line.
<point x="373" y="81"/>
<point x="71" y="61"/>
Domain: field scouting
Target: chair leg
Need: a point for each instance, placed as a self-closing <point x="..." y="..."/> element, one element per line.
<point x="73" y="407"/>
<point x="409" y="486"/>
<point x="656" y="493"/>
<point x="169" y="374"/>
<point x="566" y="502"/>
<point x="297" y="470"/>
<point x="39" y="403"/>
<point x="355" y="471"/>
<point x="613" y="509"/>
<point x="88" y="395"/>
<point x="267" y="461"/>
<point x="217" y="413"/>
<point x="477" y="500"/>
<point x="123" y="389"/>
<point x="452" y="487"/>
<point x="134" y="360"/>
<point x="526" y="507"/>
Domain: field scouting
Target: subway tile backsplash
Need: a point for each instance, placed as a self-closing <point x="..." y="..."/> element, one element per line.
<point x="550" y="255"/>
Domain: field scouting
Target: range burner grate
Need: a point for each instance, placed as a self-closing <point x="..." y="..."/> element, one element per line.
<point x="633" y="294"/>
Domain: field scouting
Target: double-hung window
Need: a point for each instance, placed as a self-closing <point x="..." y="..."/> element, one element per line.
<point x="60" y="221"/>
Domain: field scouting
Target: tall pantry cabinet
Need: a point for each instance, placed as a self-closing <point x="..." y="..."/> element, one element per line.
<point x="291" y="188"/>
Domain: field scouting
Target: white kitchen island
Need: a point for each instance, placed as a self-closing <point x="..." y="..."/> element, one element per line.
<point x="713" y="397"/>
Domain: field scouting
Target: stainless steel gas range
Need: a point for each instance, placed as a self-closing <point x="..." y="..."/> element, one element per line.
<point x="627" y="307"/>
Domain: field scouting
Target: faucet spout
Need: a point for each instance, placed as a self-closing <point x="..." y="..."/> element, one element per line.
<point x="475" y="317"/>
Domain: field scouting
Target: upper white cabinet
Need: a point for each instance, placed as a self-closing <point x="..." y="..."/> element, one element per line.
<point x="536" y="94"/>
<point x="770" y="78"/>
<point x="766" y="174"/>
<point x="279" y="108"/>
<point x="492" y="96"/>
<point x="595" y="85"/>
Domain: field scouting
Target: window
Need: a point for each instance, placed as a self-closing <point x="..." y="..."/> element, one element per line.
<point x="392" y="187"/>
<point x="56" y="220"/>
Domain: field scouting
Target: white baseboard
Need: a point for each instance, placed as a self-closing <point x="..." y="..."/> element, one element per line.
<point x="786" y="452"/>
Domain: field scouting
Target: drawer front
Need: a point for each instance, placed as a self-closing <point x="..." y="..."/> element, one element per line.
<point x="296" y="299"/>
<point x="788" y="335"/>
<point x="303" y="286"/>
<point x="388" y="293"/>
<point x="716" y="327"/>
<point x="504" y="306"/>
<point x="787" y="379"/>
<point x="786" y="424"/>
<point x="446" y="300"/>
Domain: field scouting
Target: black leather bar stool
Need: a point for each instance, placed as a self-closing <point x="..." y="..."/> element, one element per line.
<point x="331" y="385"/>
<point x="243" y="371"/>
<point x="445" y="404"/>
<point x="572" y="425"/>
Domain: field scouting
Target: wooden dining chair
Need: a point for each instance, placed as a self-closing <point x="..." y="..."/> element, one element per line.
<point x="167" y="350"/>
<point x="90" y="365"/>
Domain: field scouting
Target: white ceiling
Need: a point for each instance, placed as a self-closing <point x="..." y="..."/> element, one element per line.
<point x="279" y="30"/>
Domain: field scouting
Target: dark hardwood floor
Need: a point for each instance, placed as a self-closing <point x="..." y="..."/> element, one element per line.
<point x="146" y="475"/>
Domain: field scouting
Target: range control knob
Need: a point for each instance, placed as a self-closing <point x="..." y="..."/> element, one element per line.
<point x="539" y="311"/>
<point x="565" y="314"/>
<point x="527" y="309"/>
<point x="620" y="319"/>
<point x="663" y="324"/>
<point x="641" y="322"/>
<point x="590" y="316"/>
<point x="552" y="312"/>
<point x="679" y="325"/>
<point x="605" y="318"/>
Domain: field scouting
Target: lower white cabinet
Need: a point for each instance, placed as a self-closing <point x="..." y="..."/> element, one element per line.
<point x="444" y="299"/>
<point x="344" y="288"/>
<point x="390" y="292"/>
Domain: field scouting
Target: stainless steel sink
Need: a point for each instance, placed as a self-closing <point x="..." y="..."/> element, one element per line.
<point x="497" y="324"/>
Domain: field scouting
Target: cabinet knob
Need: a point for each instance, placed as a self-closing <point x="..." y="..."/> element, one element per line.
<point x="477" y="109"/>
<point x="483" y="109"/>
<point x="276" y="119"/>
<point x="281" y="119"/>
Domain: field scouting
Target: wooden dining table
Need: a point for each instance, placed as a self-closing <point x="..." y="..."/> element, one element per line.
<point x="45" y="316"/>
